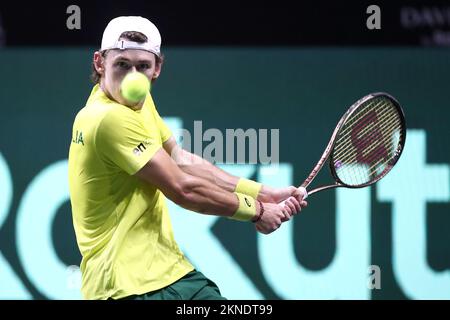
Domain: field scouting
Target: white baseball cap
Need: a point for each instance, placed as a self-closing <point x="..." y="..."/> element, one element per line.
<point x="119" y="25"/>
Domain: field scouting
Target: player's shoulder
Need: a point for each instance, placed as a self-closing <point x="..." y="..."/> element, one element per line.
<point x="99" y="106"/>
<point x="116" y="121"/>
<point x="117" y="114"/>
<point x="99" y="111"/>
<point x="150" y="103"/>
<point x="92" y="114"/>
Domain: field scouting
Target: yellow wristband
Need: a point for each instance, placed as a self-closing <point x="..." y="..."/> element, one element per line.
<point x="247" y="208"/>
<point x="248" y="187"/>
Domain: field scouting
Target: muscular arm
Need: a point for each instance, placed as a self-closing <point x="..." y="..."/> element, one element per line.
<point x="200" y="195"/>
<point x="188" y="191"/>
<point x="198" y="167"/>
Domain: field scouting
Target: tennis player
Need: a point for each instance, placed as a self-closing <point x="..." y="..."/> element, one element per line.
<point x="121" y="169"/>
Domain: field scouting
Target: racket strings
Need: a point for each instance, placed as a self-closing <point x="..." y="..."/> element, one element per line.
<point x="385" y="142"/>
<point x="352" y="152"/>
<point x="380" y="131"/>
<point x="385" y="119"/>
<point x="361" y="118"/>
<point x="357" y="173"/>
<point x="370" y="155"/>
<point x="357" y="116"/>
<point x="371" y="126"/>
<point x="377" y="160"/>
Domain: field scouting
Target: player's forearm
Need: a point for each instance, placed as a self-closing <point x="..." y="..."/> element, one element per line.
<point x="198" y="167"/>
<point x="266" y="194"/>
<point x="204" y="197"/>
<point x="195" y="193"/>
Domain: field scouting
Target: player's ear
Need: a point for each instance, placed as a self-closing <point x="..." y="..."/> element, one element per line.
<point x="158" y="66"/>
<point x="98" y="62"/>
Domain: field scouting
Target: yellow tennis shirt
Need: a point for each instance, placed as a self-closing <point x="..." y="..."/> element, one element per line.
<point x="121" y="223"/>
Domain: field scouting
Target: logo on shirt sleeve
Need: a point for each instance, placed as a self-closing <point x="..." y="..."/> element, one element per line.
<point x="78" y="137"/>
<point x="141" y="147"/>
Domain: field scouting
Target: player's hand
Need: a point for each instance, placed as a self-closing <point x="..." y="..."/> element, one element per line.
<point x="300" y="194"/>
<point x="284" y="197"/>
<point x="292" y="206"/>
<point x="272" y="218"/>
<point x="277" y="195"/>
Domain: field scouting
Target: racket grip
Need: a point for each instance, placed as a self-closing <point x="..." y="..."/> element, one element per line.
<point x="303" y="190"/>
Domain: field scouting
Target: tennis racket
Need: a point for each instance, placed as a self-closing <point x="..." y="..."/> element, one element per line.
<point x="366" y="144"/>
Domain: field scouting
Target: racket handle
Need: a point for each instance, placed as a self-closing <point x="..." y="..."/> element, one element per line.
<point x="303" y="190"/>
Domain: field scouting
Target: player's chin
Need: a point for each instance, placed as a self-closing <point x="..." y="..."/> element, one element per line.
<point x="129" y="104"/>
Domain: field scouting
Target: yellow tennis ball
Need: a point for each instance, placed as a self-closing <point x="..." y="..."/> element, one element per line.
<point x="134" y="87"/>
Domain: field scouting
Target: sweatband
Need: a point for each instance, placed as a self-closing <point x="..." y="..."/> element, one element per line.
<point x="247" y="208"/>
<point x="248" y="187"/>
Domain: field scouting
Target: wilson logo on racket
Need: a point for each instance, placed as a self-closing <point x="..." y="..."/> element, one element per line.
<point x="367" y="138"/>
